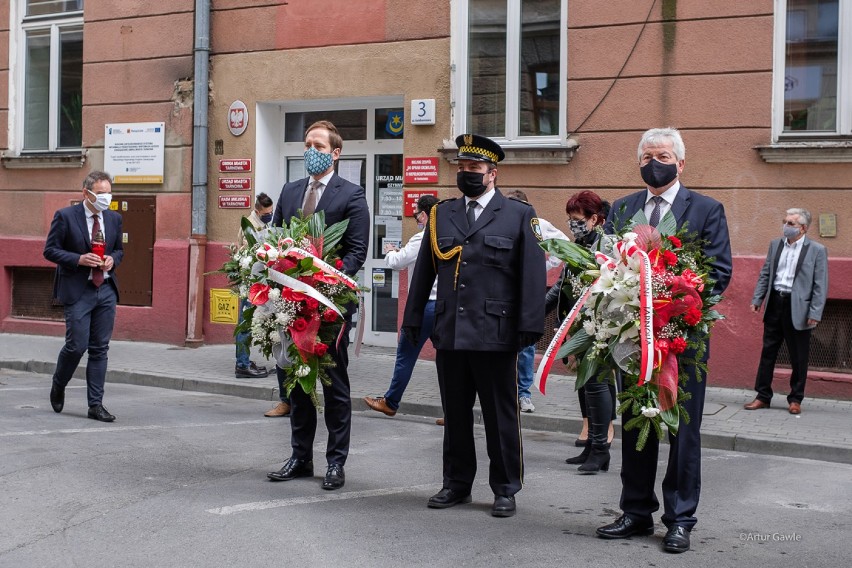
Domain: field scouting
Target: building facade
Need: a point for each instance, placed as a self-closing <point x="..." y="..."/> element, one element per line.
<point x="760" y="91"/>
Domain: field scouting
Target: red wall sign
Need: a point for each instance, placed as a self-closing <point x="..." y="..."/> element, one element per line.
<point x="239" y="165"/>
<point x="421" y="170"/>
<point x="233" y="202"/>
<point x="234" y="183"/>
<point x="410" y="199"/>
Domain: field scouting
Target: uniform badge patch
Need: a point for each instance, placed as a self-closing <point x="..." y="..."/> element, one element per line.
<point x="536" y="228"/>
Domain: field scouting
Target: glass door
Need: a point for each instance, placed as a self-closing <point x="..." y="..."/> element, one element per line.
<point x="372" y="134"/>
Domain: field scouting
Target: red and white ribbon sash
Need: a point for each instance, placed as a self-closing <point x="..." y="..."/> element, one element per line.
<point x="321" y="264"/>
<point x="646" y="318"/>
<point x="540" y="379"/>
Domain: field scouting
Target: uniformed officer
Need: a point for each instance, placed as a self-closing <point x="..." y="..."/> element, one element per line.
<point x="490" y="303"/>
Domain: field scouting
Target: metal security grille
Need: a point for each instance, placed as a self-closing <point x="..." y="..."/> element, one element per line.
<point x="831" y="341"/>
<point x="551" y="322"/>
<point x="32" y="294"/>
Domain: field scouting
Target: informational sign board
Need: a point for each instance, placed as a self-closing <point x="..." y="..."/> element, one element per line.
<point x="422" y="111"/>
<point x="410" y="199"/>
<point x="224" y="306"/>
<point x="390" y="201"/>
<point x="228" y="184"/>
<point x="421" y="170"/>
<point x="134" y="152"/>
<point x="235" y="165"/>
<point x="233" y="202"/>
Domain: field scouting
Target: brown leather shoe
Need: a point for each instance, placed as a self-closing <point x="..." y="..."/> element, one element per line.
<point x="795" y="408"/>
<point x="439" y="421"/>
<point x="756" y="404"/>
<point x="280" y="409"/>
<point x="379" y="405"/>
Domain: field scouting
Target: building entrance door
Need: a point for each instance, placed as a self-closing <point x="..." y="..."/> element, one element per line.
<point x="372" y="134"/>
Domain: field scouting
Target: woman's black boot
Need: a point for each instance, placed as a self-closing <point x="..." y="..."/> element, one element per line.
<point x="598" y="460"/>
<point x="587" y="449"/>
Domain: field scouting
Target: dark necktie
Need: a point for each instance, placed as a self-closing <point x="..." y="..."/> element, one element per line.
<point x="311" y="201"/>
<point x="655" y="214"/>
<point x="471" y="213"/>
<point x="97" y="273"/>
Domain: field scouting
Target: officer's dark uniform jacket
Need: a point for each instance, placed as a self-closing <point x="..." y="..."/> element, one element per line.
<point x="494" y="290"/>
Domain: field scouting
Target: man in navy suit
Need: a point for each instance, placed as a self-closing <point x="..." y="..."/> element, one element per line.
<point x="340" y="199"/>
<point x="793" y="284"/>
<point x="661" y="161"/>
<point x="484" y="250"/>
<point x="85" y="284"/>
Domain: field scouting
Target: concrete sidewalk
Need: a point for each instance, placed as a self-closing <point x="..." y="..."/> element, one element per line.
<point x="821" y="432"/>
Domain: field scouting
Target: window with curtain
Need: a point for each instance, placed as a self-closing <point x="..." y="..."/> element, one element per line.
<point x="812" y="90"/>
<point x="510" y="69"/>
<point x="52" y="79"/>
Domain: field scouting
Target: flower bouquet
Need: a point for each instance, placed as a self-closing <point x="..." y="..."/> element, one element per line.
<point x="292" y="278"/>
<point x="644" y="309"/>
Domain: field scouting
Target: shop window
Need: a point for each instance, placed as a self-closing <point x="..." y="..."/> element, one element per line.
<point x="50" y="75"/>
<point x="510" y="70"/>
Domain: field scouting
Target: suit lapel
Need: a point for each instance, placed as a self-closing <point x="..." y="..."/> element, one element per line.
<point x="681" y="204"/>
<point x="80" y="216"/>
<point x="329" y="192"/>
<point x="488" y="214"/>
<point x="458" y="216"/>
<point x="802" y="254"/>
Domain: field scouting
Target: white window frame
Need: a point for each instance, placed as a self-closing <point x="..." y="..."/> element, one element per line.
<point x="459" y="48"/>
<point x="844" y="80"/>
<point x="17" y="78"/>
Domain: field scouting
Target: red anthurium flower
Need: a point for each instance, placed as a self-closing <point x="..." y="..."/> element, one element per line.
<point x="292" y="295"/>
<point x="693" y="279"/>
<point x="258" y="294"/>
<point x="311" y="303"/>
<point x="326" y="278"/>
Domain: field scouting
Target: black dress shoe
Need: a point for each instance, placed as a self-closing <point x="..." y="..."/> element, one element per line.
<point x="624" y="527"/>
<point x="98" y="412"/>
<point x="250" y="372"/>
<point x="57" y="398"/>
<point x="446" y="498"/>
<point x="334" y="477"/>
<point x="504" y="506"/>
<point x="292" y="469"/>
<point x="676" y="540"/>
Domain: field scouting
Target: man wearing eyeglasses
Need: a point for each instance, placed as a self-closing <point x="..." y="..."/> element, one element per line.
<point x="793" y="284"/>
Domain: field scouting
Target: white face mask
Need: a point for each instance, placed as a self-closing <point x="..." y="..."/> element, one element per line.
<point x="102" y="200"/>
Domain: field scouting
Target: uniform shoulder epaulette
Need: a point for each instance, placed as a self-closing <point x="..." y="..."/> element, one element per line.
<point x="447" y="200"/>
<point x="521" y="201"/>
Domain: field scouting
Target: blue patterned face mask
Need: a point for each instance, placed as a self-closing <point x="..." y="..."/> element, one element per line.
<point x="317" y="162"/>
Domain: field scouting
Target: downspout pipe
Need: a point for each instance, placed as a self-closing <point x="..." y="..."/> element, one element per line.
<point x="198" y="238"/>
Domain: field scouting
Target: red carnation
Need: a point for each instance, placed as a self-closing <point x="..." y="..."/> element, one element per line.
<point x="329" y="316"/>
<point x="258" y="294"/>
<point x="677" y="345"/>
<point x="299" y="324"/>
<point x="320" y="349"/>
<point x="670" y="258"/>
<point x="692" y="316"/>
<point x="338" y="264"/>
<point x="311" y="303"/>
<point x="675" y="241"/>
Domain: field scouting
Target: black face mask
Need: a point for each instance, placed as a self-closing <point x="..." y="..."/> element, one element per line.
<point x="657" y="174"/>
<point x="470" y="183"/>
<point x="266" y="218"/>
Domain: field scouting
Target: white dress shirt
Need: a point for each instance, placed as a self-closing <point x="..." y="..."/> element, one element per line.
<point x="406" y="257"/>
<point x="323" y="184"/>
<point x="786" y="270"/>
<point x="90" y="222"/>
<point x="665" y="205"/>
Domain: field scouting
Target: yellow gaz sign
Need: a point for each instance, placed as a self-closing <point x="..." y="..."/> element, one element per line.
<point x="224" y="306"/>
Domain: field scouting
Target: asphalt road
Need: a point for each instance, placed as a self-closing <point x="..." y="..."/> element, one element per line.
<point x="179" y="480"/>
